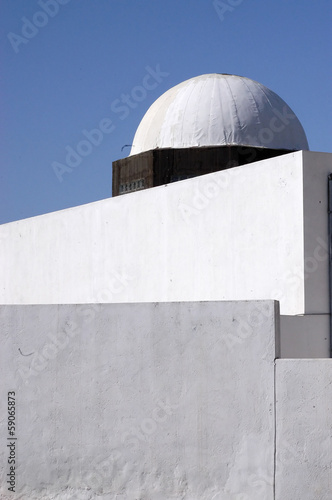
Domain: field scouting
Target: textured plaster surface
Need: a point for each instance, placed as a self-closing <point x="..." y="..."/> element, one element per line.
<point x="231" y="235"/>
<point x="305" y="336"/>
<point x="316" y="169"/>
<point x="304" y="429"/>
<point x="141" y="401"/>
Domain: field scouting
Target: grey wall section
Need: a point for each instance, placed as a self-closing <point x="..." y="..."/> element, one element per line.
<point x="304" y="442"/>
<point x="316" y="169"/>
<point x="308" y="336"/>
<point x="127" y="401"/>
<point x="305" y="336"/>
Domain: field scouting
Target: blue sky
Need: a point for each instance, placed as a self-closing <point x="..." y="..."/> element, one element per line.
<point x="68" y="66"/>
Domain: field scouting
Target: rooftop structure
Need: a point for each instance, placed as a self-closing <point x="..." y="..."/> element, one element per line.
<point x="205" y="124"/>
<point x="219" y="110"/>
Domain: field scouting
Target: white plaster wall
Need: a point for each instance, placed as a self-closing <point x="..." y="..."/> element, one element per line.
<point x="150" y="401"/>
<point x="316" y="169"/>
<point x="304" y="442"/>
<point x="309" y="335"/>
<point x="230" y="235"/>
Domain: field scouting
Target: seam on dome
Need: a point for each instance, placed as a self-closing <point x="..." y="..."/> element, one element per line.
<point x="223" y="117"/>
<point x="291" y="132"/>
<point x="195" y="128"/>
<point x="185" y="110"/>
<point x="234" y="104"/>
<point x="253" y="99"/>
<point x="262" y="88"/>
<point x="152" y="125"/>
<point x="210" y="110"/>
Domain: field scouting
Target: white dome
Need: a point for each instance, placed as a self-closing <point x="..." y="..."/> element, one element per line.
<point x="219" y="110"/>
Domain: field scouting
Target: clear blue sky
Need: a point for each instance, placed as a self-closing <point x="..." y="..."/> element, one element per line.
<point x="69" y="73"/>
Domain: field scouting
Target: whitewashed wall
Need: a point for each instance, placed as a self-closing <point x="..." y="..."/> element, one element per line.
<point x="254" y="232"/>
<point x="304" y="438"/>
<point x="228" y="234"/>
<point x="316" y="168"/>
<point x="127" y="401"/>
<point x="178" y="400"/>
